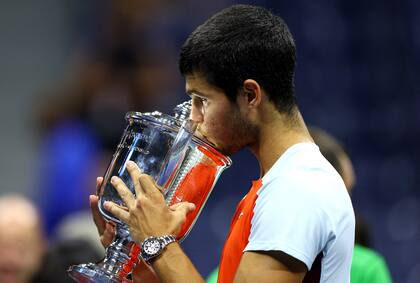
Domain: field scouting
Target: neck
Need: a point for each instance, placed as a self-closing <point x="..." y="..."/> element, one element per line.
<point x="276" y="135"/>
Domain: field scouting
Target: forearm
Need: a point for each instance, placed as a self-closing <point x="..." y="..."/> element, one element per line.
<point x="173" y="266"/>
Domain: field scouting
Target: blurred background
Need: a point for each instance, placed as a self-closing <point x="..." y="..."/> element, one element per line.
<point x="69" y="70"/>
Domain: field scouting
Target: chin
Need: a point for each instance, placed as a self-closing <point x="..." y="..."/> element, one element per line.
<point x="224" y="148"/>
<point x="229" y="150"/>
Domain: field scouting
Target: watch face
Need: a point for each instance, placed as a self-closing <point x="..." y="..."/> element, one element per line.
<point x="151" y="246"/>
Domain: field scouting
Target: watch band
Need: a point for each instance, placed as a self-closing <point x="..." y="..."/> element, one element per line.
<point x="167" y="239"/>
<point x="153" y="246"/>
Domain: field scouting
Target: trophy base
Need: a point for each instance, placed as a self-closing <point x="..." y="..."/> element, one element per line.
<point x="86" y="273"/>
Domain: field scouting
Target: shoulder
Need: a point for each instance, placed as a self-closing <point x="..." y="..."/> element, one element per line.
<point x="306" y="175"/>
<point x="312" y="191"/>
<point x="301" y="163"/>
<point x="302" y="209"/>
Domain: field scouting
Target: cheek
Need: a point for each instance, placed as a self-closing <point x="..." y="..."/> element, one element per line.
<point x="214" y="127"/>
<point x="216" y="122"/>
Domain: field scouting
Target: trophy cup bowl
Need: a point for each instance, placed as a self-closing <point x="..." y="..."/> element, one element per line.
<point x="187" y="168"/>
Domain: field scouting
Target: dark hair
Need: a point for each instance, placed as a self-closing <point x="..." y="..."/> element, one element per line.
<point x="243" y="42"/>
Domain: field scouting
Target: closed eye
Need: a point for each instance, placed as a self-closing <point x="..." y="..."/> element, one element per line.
<point x="198" y="102"/>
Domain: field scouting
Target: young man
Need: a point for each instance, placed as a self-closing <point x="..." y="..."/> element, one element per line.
<point x="296" y="224"/>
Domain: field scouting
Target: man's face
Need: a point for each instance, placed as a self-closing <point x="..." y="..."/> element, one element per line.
<point x="220" y="121"/>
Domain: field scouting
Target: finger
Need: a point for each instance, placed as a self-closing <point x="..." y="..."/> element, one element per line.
<point x="125" y="194"/>
<point x="108" y="236"/>
<point x="117" y="211"/>
<point x="135" y="173"/>
<point x="99" y="181"/>
<point x="148" y="185"/>
<point x="161" y="189"/>
<point x="175" y="206"/>
<point x="183" y="208"/>
<point x="96" y="215"/>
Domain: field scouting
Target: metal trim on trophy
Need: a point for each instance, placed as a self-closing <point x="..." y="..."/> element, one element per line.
<point x="186" y="167"/>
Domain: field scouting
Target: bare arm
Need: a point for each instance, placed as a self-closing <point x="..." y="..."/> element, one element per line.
<point x="267" y="267"/>
<point x="173" y="266"/>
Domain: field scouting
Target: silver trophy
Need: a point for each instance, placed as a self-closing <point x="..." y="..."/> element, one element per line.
<point x="185" y="166"/>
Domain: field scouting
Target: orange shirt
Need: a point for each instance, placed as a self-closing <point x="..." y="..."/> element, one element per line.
<point x="237" y="239"/>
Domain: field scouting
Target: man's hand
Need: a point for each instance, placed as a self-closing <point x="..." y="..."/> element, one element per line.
<point x="106" y="230"/>
<point x="147" y="213"/>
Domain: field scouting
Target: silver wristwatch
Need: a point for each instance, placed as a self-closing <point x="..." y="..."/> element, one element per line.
<point x="153" y="246"/>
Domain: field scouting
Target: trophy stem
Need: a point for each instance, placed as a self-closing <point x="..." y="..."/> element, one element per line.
<point x="121" y="257"/>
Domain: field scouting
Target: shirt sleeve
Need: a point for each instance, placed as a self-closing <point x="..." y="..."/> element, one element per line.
<point x="290" y="216"/>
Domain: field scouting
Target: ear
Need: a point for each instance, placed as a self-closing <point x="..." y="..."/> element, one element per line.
<point x="252" y="92"/>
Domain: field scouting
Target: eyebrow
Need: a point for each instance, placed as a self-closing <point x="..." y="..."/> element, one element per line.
<point x="191" y="92"/>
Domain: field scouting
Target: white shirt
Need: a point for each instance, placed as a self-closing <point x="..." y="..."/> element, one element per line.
<point x="303" y="209"/>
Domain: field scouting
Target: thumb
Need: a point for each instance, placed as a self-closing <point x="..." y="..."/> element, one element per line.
<point x="97" y="217"/>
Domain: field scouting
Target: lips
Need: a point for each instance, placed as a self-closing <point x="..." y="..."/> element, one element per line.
<point x="204" y="138"/>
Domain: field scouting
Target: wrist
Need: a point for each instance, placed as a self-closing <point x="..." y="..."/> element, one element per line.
<point x="152" y="247"/>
